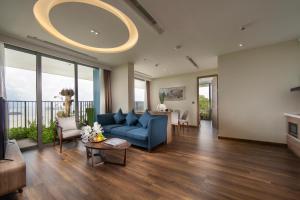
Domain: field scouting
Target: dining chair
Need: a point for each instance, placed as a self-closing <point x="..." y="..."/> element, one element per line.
<point x="183" y="121"/>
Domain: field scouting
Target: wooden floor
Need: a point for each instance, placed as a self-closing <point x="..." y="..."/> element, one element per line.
<point x="195" y="166"/>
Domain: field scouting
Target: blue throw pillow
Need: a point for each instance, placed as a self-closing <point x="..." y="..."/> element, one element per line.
<point x="144" y="119"/>
<point x="119" y="117"/>
<point x="131" y="119"/>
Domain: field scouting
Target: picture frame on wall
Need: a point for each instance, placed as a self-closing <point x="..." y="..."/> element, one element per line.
<point x="173" y="93"/>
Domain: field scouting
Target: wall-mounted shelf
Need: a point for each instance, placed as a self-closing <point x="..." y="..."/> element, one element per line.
<point x="295" y="89"/>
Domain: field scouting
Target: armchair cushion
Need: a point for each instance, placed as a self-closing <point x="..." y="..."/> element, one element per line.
<point x="67" y="123"/>
<point x="71" y="133"/>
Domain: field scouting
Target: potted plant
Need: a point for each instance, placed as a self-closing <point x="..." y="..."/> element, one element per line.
<point x="162" y="107"/>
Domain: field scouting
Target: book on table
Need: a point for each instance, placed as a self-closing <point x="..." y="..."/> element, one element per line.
<point x="115" y="141"/>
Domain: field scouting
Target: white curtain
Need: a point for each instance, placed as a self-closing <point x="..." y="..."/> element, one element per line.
<point x="2" y="72"/>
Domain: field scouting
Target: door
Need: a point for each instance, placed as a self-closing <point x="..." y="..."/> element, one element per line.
<point x="214" y="102"/>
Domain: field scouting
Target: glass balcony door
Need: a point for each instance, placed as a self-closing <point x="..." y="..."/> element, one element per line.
<point x="20" y="78"/>
<point x="58" y="84"/>
<point x="85" y="93"/>
<point x="34" y="84"/>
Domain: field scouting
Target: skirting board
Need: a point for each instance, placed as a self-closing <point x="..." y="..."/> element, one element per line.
<point x="254" y="141"/>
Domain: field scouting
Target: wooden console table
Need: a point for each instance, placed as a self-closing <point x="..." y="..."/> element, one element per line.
<point x="12" y="170"/>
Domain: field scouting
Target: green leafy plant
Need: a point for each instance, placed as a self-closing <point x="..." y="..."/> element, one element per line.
<point x="204" y="107"/>
<point x="162" y="96"/>
<point x="31" y="132"/>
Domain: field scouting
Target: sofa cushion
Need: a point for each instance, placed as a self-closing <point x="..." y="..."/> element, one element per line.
<point x="122" y="130"/>
<point x="106" y="119"/>
<point x="119" y="117"/>
<point x="107" y="128"/>
<point x="144" y="119"/>
<point x="131" y="119"/>
<point x="67" y="123"/>
<point x="138" y="134"/>
<point x="71" y="133"/>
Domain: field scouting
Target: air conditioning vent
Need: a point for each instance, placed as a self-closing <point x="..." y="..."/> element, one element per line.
<point x="192" y="61"/>
<point x="135" y="5"/>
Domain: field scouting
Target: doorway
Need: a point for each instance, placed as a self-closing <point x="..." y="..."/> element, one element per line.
<point x="207" y="101"/>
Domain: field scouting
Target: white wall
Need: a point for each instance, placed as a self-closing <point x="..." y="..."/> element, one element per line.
<point x="190" y="102"/>
<point x="254" y="91"/>
<point x="122" y="86"/>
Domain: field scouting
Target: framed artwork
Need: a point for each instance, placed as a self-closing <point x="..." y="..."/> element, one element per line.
<point x="173" y="94"/>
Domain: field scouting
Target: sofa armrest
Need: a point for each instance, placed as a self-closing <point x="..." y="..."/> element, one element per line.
<point x="106" y="119"/>
<point x="157" y="132"/>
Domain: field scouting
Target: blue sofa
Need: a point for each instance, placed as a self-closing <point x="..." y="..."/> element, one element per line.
<point x="150" y="137"/>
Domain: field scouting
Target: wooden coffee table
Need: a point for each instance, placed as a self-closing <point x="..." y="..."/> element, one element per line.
<point x="101" y="147"/>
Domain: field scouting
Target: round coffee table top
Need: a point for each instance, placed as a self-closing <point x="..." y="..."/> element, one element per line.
<point x="103" y="146"/>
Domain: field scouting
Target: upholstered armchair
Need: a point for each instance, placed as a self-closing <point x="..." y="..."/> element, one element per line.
<point x="66" y="130"/>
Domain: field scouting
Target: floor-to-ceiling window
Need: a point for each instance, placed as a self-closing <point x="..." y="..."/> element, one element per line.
<point x="140" y="99"/>
<point x="57" y="76"/>
<point x="34" y="84"/>
<point x="85" y="91"/>
<point x="20" y="78"/>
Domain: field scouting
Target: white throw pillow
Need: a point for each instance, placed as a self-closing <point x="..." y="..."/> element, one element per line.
<point x="67" y="123"/>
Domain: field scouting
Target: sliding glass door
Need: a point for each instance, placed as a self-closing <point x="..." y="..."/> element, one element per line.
<point x="37" y="87"/>
<point x="85" y="93"/>
<point x="20" y="78"/>
<point x="58" y="82"/>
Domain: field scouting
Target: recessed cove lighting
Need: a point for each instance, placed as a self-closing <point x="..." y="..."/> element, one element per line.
<point x="42" y="8"/>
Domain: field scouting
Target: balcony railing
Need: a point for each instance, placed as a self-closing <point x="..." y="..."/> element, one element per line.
<point x="22" y="113"/>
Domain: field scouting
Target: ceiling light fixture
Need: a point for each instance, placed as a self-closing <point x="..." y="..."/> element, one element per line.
<point x="241" y="45"/>
<point x="94" y="32"/>
<point x="42" y="9"/>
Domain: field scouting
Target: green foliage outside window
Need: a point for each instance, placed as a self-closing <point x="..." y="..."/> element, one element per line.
<point x="31" y="132"/>
<point x="204" y="107"/>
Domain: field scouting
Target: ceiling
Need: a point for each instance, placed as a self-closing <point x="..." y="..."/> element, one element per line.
<point x="204" y="28"/>
<point x="21" y="60"/>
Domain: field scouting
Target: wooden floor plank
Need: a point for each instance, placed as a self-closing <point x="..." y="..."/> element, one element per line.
<point x="196" y="165"/>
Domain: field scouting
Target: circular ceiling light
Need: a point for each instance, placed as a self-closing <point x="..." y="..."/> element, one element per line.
<point x="42" y="10"/>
